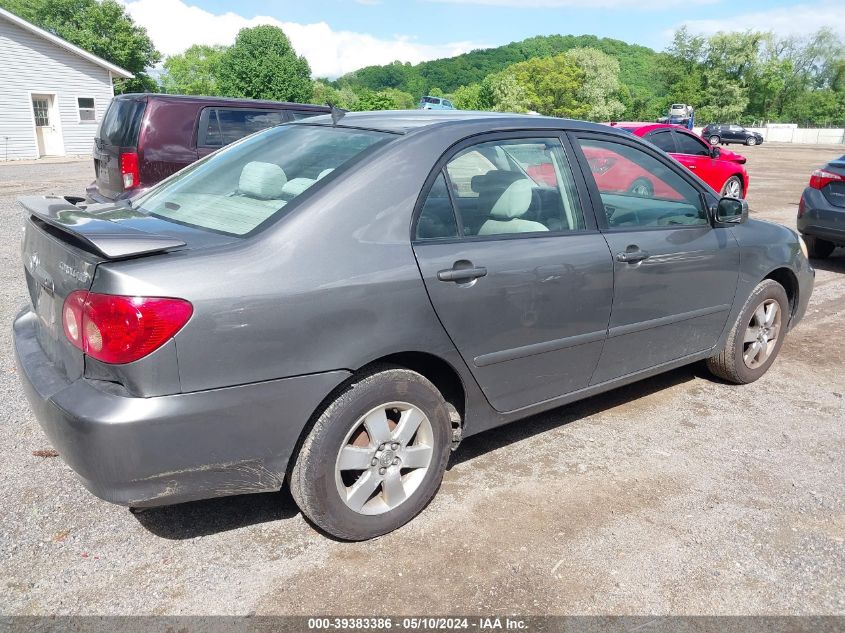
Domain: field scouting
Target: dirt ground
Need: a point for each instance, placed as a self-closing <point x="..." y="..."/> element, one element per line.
<point x="676" y="495"/>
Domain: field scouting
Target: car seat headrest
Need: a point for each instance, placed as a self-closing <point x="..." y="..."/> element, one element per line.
<point x="263" y="181"/>
<point x="514" y="201"/>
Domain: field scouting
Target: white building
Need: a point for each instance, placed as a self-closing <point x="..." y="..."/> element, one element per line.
<point x="52" y="93"/>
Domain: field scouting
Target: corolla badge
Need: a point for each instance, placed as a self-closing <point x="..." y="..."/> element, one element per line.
<point x="80" y="275"/>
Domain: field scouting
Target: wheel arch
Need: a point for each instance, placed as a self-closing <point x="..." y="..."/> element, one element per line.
<point x="789" y="280"/>
<point x="440" y="372"/>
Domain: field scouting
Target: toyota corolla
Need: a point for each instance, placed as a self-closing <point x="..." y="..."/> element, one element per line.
<point x="334" y="303"/>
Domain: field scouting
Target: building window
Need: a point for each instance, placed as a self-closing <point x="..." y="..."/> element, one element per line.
<point x="41" y="110"/>
<point x="86" y="108"/>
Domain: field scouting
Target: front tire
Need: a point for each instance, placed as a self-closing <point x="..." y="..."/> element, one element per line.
<point x="818" y="249"/>
<point x="732" y="187"/>
<point x="756" y="338"/>
<point x="642" y="187"/>
<point x="750" y="141"/>
<point x="375" y="456"/>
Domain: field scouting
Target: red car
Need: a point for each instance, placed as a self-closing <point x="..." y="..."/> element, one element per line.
<point x="720" y="168"/>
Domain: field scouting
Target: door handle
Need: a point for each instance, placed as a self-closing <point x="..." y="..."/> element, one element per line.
<point x="462" y="275"/>
<point x="632" y="256"/>
<point x="691" y="166"/>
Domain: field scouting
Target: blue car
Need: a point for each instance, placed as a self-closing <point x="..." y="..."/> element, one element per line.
<point x="821" y="211"/>
<point x="435" y="103"/>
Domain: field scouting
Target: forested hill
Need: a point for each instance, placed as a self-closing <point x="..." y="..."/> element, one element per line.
<point x="637" y="65"/>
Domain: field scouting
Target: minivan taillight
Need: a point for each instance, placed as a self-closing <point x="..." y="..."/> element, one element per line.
<point x="822" y="178"/>
<point x="129" y="170"/>
<point x="116" y="329"/>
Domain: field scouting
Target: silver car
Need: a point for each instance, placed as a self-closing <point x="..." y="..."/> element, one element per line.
<point x="335" y="303"/>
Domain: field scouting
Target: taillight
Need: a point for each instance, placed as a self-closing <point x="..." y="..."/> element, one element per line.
<point x="116" y="329"/>
<point x="129" y="170"/>
<point x="821" y="178"/>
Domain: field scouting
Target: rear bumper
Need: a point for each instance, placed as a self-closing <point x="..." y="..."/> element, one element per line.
<point x="169" y="449"/>
<point x="821" y="219"/>
<point x="94" y="195"/>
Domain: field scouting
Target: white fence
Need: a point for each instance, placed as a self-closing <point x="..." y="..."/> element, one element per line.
<point x="791" y="133"/>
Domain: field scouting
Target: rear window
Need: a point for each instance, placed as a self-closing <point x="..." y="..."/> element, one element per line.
<point x="433" y="100"/>
<point x="241" y="188"/>
<point x="122" y="122"/>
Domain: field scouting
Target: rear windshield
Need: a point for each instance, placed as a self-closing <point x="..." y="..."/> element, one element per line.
<point x="122" y="122"/>
<point x="241" y="188"/>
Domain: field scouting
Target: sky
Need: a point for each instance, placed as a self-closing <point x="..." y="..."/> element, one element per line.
<point x="338" y="36"/>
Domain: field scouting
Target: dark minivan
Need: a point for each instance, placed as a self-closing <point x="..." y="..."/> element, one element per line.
<point x="144" y="138"/>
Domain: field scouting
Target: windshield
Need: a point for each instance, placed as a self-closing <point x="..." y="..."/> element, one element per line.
<point x="243" y="186"/>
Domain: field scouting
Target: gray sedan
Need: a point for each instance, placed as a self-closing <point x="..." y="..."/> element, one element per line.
<point x="336" y="302"/>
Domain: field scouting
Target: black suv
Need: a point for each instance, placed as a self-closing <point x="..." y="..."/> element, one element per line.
<point x="725" y="134"/>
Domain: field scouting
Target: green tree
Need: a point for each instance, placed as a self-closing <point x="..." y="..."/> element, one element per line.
<point x="468" y="97"/>
<point x="725" y="100"/>
<point x="550" y="85"/>
<point x="600" y="86"/>
<point x="388" y="99"/>
<point x="193" y="72"/>
<point x="262" y="64"/>
<point x="102" y="28"/>
<point x="503" y="92"/>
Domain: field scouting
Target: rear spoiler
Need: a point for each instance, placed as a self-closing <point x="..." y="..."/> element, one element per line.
<point x="95" y="228"/>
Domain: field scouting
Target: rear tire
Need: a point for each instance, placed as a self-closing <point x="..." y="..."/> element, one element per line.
<point x="396" y="424"/>
<point x="715" y="140"/>
<point x="818" y="249"/>
<point x="753" y="343"/>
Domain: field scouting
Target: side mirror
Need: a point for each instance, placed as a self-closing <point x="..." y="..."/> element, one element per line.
<point x="715" y="152"/>
<point x="731" y="211"/>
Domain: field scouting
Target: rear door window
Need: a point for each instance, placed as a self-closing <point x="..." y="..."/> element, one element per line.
<point x="521" y="185"/>
<point x="221" y="126"/>
<point x="662" y="139"/>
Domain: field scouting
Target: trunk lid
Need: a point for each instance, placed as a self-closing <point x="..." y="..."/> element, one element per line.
<point x="62" y="246"/>
<point x="118" y="133"/>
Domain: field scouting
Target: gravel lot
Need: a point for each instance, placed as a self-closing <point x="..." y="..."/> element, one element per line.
<point x="677" y="495"/>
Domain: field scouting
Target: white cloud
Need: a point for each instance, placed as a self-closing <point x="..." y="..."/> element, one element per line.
<point x="592" y="4"/>
<point x="175" y="25"/>
<point x="799" y="19"/>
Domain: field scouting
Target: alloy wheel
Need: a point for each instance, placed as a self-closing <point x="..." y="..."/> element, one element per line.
<point x="733" y="188"/>
<point x="761" y="334"/>
<point x="384" y="458"/>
